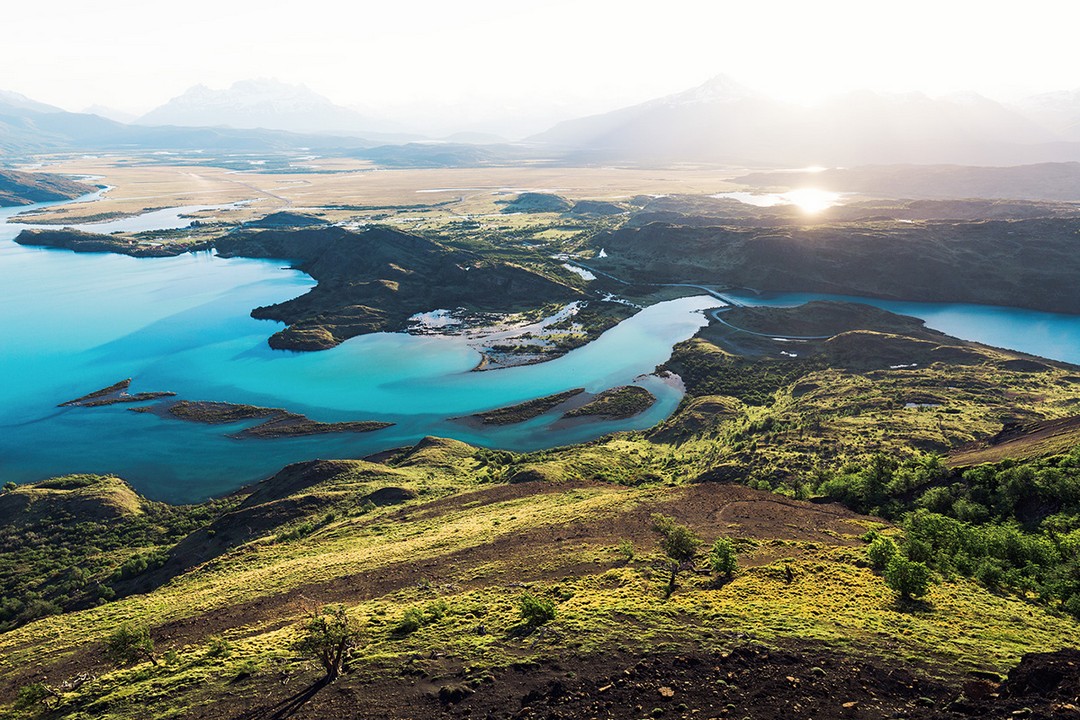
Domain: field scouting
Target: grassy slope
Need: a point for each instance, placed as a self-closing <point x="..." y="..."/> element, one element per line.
<point x="465" y="537"/>
<point x="473" y="547"/>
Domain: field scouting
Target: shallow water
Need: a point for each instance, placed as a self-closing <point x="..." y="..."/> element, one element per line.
<point x="77" y="322"/>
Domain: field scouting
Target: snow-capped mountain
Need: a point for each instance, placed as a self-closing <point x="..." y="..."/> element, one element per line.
<point x="264" y="103"/>
<point x="17" y="101"/>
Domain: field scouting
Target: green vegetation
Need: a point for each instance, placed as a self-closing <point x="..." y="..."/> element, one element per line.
<point x="417" y="617"/>
<point x="1012" y="526"/>
<point x="526" y="410"/>
<point x="535" y="611"/>
<point x="130" y="644"/>
<point x="329" y="635"/>
<point x="69" y="542"/>
<point x="678" y="542"/>
<point x="710" y="371"/>
<point x="881" y="552"/>
<point x="910" y="579"/>
<point x="617" y="403"/>
<point x="722" y="558"/>
<point x="469" y="566"/>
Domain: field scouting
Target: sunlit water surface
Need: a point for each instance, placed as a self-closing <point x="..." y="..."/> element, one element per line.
<point x="74" y="323"/>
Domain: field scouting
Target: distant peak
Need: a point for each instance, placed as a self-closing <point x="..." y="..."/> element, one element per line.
<point x="18" y="100"/>
<point x="718" y="89"/>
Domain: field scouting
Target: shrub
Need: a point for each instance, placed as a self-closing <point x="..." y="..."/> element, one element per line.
<point x="722" y="557"/>
<point x="219" y="647"/>
<point x="535" y="611"/>
<point x="129" y="644"/>
<point x="410" y="622"/>
<point x="907" y="578"/>
<point x="33" y="694"/>
<point x="881" y="551"/>
<point x="416" y="618"/>
<point x="329" y="635"/>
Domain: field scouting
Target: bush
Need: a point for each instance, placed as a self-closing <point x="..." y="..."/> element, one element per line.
<point x="535" y="611"/>
<point x="678" y="542"/>
<point x="907" y="578"/>
<point x="129" y="644"/>
<point x="722" y="557"/>
<point x="33" y="694"/>
<point x="329" y="635"/>
<point x="416" y="618"/>
<point x="218" y="647"/>
<point x="881" y="551"/>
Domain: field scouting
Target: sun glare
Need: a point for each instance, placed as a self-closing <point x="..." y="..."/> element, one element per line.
<point x="812" y="200"/>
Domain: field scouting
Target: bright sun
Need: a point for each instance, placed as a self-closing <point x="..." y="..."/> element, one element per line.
<point x="812" y="200"/>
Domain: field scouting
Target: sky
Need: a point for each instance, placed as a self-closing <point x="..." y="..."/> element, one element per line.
<point x="544" y="60"/>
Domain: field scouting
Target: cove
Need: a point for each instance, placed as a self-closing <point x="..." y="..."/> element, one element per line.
<point x="78" y="322"/>
<point x="1050" y="335"/>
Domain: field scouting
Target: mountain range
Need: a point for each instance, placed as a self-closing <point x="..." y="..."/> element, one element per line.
<point x="28" y="127"/>
<point x="271" y="104"/>
<point x="719" y="121"/>
<point x="723" y="121"/>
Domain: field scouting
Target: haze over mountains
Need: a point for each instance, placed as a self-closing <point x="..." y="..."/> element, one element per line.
<point x="724" y="121"/>
<point x="719" y="121"/>
<point x="263" y="103"/>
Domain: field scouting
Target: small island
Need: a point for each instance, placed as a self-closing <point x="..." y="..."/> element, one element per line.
<point x="277" y="422"/>
<point x="618" y="403"/>
<point x="114" y="394"/>
<point x="521" y="412"/>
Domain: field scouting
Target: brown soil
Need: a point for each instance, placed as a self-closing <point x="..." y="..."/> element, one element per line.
<point x="1030" y="440"/>
<point x="800" y="680"/>
<point x="749" y="681"/>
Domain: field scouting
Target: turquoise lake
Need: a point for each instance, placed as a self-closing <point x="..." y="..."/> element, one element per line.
<point x="74" y="323"/>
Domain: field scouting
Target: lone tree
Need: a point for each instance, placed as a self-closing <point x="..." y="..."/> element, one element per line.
<point x="678" y="542"/>
<point x="129" y="644"/>
<point x="722" y="558"/>
<point x="909" y="579"/>
<point x="329" y="635"/>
